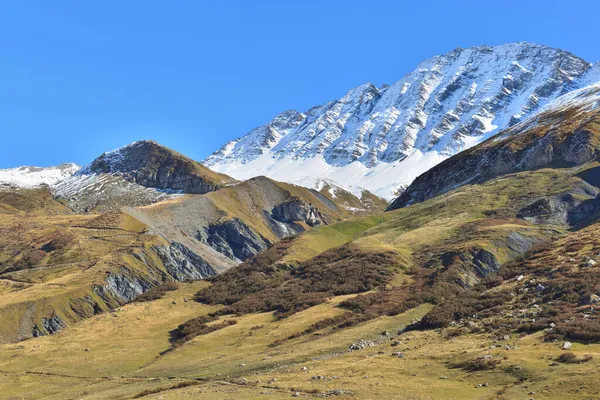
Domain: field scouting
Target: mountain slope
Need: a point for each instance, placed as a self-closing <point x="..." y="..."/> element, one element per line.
<point x="349" y="320"/>
<point x="36" y="176"/>
<point x="565" y="133"/>
<point x="118" y="239"/>
<point x="383" y="137"/>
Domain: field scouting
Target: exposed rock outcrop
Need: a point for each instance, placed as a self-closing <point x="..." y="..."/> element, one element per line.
<point x="48" y="326"/>
<point x="234" y="239"/>
<point x="297" y="210"/>
<point x="183" y="264"/>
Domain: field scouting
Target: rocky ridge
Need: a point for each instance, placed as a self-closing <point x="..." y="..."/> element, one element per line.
<point x="566" y="133"/>
<point x="383" y="137"/>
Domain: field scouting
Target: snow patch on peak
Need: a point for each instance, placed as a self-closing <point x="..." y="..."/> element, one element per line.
<point x="30" y="176"/>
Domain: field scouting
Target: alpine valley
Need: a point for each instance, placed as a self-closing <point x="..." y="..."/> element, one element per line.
<point x="438" y="238"/>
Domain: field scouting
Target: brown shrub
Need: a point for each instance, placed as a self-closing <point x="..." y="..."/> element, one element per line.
<point x="478" y="364"/>
<point x="157" y="292"/>
<point x="58" y="241"/>
<point x="571" y="358"/>
<point x="196" y="327"/>
<point x="32" y="257"/>
<point x="581" y="330"/>
<point x="256" y="286"/>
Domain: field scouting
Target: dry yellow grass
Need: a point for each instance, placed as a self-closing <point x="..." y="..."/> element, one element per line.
<point x="122" y="360"/>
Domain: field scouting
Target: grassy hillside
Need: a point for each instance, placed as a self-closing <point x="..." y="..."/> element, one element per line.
<point x="52" y="260"/>
<point x="131" y="352"/>
<point x="488" y="290"/>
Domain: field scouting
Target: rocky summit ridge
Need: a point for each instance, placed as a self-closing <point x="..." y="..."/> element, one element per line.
<point x="382" y="137"/>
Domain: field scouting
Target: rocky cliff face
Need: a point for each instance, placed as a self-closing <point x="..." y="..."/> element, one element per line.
<point x="298" y="210"/>
<point x="565" y="134"/>
<point x="447" y="104"/>
<point x="234" y="239"/>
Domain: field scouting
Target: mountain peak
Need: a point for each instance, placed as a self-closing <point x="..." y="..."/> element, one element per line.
<point x="382" y="138"/>
<point x="151" y="164"/>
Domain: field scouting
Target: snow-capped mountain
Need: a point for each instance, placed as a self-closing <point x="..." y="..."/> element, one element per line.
<point x="36" y="176"/>
<point x="381" y="138"/>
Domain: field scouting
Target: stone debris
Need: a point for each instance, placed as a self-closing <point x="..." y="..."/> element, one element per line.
<point x="540" y="288"/>
<point x="590" y="263"/>
<point x="361" y="344"/>
<point x="594" y="299"/>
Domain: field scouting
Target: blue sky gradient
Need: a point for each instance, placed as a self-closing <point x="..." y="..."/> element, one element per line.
<point x="84" y="77"/>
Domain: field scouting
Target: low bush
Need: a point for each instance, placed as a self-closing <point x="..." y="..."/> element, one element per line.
<point x="258" y="287"/>
<point x="478" y="364"/>
<point x="58" y="241"/>
<point x="582" y="330"/>
<point x="571" y="358"/>
<point x="197" y="327"/>
<point x="32" y="257"/>
<point x="157" y="292"/>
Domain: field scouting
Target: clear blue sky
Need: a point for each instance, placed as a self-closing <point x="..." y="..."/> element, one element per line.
<point x="83" y="77"/>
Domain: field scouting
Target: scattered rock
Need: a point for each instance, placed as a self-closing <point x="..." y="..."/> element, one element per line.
<point x="361" y="344"/>
<point x="590" y="263"/>
<point x="398" y="354"/>
<point x="593" y="299"/>
<point x="540" y="288"/>
<point x="338" y="392"/>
